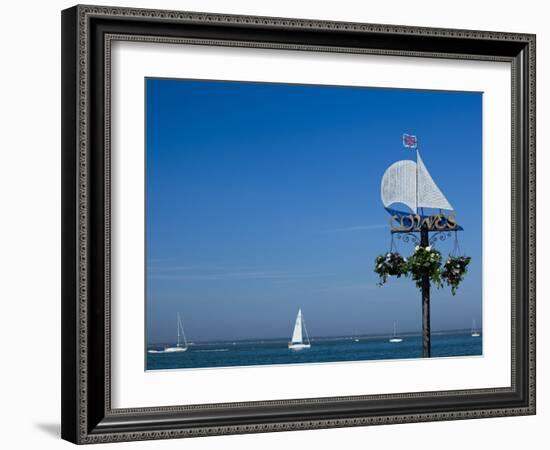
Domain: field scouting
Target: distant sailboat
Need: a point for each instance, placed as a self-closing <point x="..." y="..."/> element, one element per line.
<point x="395" y="339"/>
<point x="355" y="337"/>
<point x="297" y="342"/>
<point x="180" y="347"/>
<point x="475" y="332"/>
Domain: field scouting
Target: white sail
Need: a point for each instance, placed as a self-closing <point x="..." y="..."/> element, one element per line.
<point x="297" y="334"/>
<point x="411" y="184"/>
<point x="474" y="331"/>
<point x="395" y="339"/>
<point x="429" y="195"/>
<point x="297" y="341"/>
<point x="399" y="184"/>
<point x="179" y="347"/>
<point x="180" y="333"/>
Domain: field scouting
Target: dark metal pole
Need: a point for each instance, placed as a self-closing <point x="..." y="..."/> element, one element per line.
<point x="426" y="334"/>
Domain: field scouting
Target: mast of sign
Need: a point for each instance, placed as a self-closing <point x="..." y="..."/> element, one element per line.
<point x="409" y="183"/>
<point x="411" y="142"/>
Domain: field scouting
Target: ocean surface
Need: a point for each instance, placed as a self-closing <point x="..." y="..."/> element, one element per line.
<point x="339" y="349"/>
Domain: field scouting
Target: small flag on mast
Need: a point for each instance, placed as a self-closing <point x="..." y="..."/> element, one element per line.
<point x="409" y="141"/>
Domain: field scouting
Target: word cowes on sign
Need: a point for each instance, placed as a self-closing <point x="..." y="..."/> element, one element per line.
<point x="416" y="222"/>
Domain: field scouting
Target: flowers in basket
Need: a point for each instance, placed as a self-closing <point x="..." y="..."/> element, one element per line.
<point x="425" y="261"/>
<point x="390" y="264"/>
<point x="454" y="270"/>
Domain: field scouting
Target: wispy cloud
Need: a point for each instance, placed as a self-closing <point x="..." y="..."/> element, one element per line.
<point x="159" y="260"/>
<point x="356" y="228"/>
<point x="345" y="288"/>
<point x="197" y="267"/>
<point x="187" y="273"/>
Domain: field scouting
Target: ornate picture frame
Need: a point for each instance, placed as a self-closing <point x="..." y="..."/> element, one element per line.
<point x="87" y="35"/>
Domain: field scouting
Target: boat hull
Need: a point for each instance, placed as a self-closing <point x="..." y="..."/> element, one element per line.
<point x="297" y="347"/>
<point x="396" y="340"/>
<point x="175" y="349"/>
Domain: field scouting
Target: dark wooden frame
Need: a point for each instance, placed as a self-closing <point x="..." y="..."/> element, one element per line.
<point x="87" y="32"/>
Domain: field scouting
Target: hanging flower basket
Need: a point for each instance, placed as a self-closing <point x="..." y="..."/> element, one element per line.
<point x="390" y="264"/>
<point x="425" y="261"/>
<point x="454" y="270"/>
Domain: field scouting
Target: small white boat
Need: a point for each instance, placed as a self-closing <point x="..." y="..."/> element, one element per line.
<point x="394" y="339"/>
<point x="475" y="332"/>
<point x="180" y="347"/>
<point x="297" y="342"/>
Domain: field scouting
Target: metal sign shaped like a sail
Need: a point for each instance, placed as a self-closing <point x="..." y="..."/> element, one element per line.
<point x="409" y="182"/>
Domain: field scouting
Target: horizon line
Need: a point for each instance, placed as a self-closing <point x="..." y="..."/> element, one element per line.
<point x="281" y="338"/>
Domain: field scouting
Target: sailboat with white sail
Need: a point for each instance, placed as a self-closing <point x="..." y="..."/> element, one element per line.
<point x="297" y="342"/>
<point x="181" y="343"/>
<point x="475" y="332"/>
<point x="394" y="339"/>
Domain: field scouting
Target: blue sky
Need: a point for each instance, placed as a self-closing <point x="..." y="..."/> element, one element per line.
<point x="263" y="198"/>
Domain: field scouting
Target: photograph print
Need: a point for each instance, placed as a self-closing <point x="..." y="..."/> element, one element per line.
<point x="302" y="224"/>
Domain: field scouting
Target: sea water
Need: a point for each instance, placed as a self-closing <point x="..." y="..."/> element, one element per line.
<point x="276" y="351"/>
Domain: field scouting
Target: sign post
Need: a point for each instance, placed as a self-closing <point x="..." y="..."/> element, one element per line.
<point x="409" y="183"/>
<point x="426" y="332"/>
